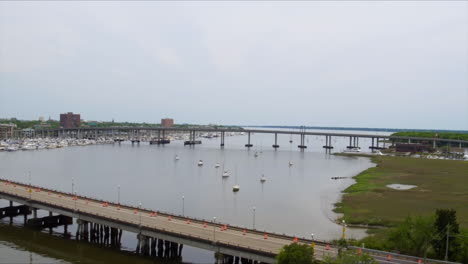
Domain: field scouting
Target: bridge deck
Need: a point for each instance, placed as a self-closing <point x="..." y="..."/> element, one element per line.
<point x="176" y="225"/>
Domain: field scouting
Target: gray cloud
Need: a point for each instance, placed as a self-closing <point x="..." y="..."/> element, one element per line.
<point x="384" y="64"/>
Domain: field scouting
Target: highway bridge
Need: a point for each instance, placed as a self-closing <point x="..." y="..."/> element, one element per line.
<point x="154" y="229"/>
<point x="161" y="133"/>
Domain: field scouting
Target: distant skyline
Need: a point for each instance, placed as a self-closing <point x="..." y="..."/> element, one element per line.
<point x="385" y="64"/>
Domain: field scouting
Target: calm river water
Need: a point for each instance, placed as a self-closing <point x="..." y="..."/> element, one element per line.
<point x="296" y="200"/>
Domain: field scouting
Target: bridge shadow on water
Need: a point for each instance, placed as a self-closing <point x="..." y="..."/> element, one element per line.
<point x="65" y="248"/>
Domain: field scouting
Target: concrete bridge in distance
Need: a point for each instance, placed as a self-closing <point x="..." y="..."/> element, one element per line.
<point x="161" y="133"/>
<point x="167" y="232"/>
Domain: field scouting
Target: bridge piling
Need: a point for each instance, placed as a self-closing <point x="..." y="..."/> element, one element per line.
<point x="302" y="145"/>
<point x="275" y="146"/>
<point x="328" y="142"/>
<point x="160" y="248"/>
<point x="248" y="145"/>
<point x="222" y="139"/>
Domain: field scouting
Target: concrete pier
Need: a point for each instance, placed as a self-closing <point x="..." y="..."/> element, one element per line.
<point x="302" y="145"/>
<point x="222" y="139"/>
<point x="275" y="146"/>
<point x="248" y="145"/>
<point x="328" y="143"/>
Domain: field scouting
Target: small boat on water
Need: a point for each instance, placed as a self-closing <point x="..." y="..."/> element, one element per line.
<point x="256" y="154"/>
<point x="200" y="163"/>
<point x="290" y="163"/>
<point x="353" y="150"/>
<point x="217" y="165"/>
<point x="262" y="179"/>
<point x="12" y="148"/>
<point x="176" y="157"/>
<point x="235" y="188"/>
<point x="225" y="174"/>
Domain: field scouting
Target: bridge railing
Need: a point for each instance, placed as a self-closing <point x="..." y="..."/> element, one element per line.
<point x="180" y="217"/>
<point x="401" y="256"/>
<point x="143" y="227"/>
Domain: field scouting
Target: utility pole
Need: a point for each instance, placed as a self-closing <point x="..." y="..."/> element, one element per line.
<point x="447" y="243"/>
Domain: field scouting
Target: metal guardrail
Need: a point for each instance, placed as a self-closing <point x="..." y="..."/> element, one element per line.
<point x="402" y="256"/>
<point x="180" y="217"/>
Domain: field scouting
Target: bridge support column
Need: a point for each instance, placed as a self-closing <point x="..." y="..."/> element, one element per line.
<point x="302" y="145"/>
<point x="153" y="247"/>
<point x="50" y="227"/>
<point x="328" y="143"/>
<point x="160" y="248"/>
<point x="180" y="250"/>
<point x="275" y="146"/>
<point x="166" y="248"/>
<point x="222" y="139"/>
<point x="248" y="145"/>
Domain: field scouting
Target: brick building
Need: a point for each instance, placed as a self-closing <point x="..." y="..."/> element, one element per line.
<point x="167" y="122"/>
<point x="70" y="120"/>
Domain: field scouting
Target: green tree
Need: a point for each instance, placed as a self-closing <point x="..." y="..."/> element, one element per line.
<point x="296" y="254"/>
<point x="412" y="236"/>
<point x="446" y="219"/>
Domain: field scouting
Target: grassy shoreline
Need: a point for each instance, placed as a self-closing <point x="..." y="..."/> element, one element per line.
<point x="440" y="184"/>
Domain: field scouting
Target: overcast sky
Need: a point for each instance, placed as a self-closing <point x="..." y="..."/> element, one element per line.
<point x="358" y="64"/>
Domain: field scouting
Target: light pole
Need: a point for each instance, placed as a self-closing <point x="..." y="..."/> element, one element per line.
<point x="344" y="229"/>
<point x="214" y="228"/>
<point x="312" y="235"/>
<point x="253" y="208"/>
<point x="183" y="205"/>
<point x="75" y="201"/>
<point x="73" y="185"/>
<point x="118" y="194"/>
<point x="30" y="185"/>
<point x="139" y="210"/>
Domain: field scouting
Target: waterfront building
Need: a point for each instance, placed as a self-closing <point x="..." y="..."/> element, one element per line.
<point x="7" y="130"/>
<point x="70" y="120"/>
<point x="28" y="132"/>
<point x="167" y="122"/>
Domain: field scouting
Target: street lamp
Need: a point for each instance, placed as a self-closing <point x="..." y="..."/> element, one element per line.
<point x="312" y="235"/>
<point x="183" y="205"/>
<point x="74" y="198"/>
<point x="73" y="185"/>
<point x="253" y="208"/>
<point x="30" y="185"/>
<point x="139" y="210"/>
<point x="214" y="228"/>
<point x="118" y="194"/>
<point x="344" y="229"/>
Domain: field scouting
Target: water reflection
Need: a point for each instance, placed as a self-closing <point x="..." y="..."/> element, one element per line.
<point x="295" y="199"/>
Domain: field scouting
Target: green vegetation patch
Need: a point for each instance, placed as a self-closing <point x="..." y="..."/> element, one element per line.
<point x="440" y="184"/>
<point x="444" y="135"/>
